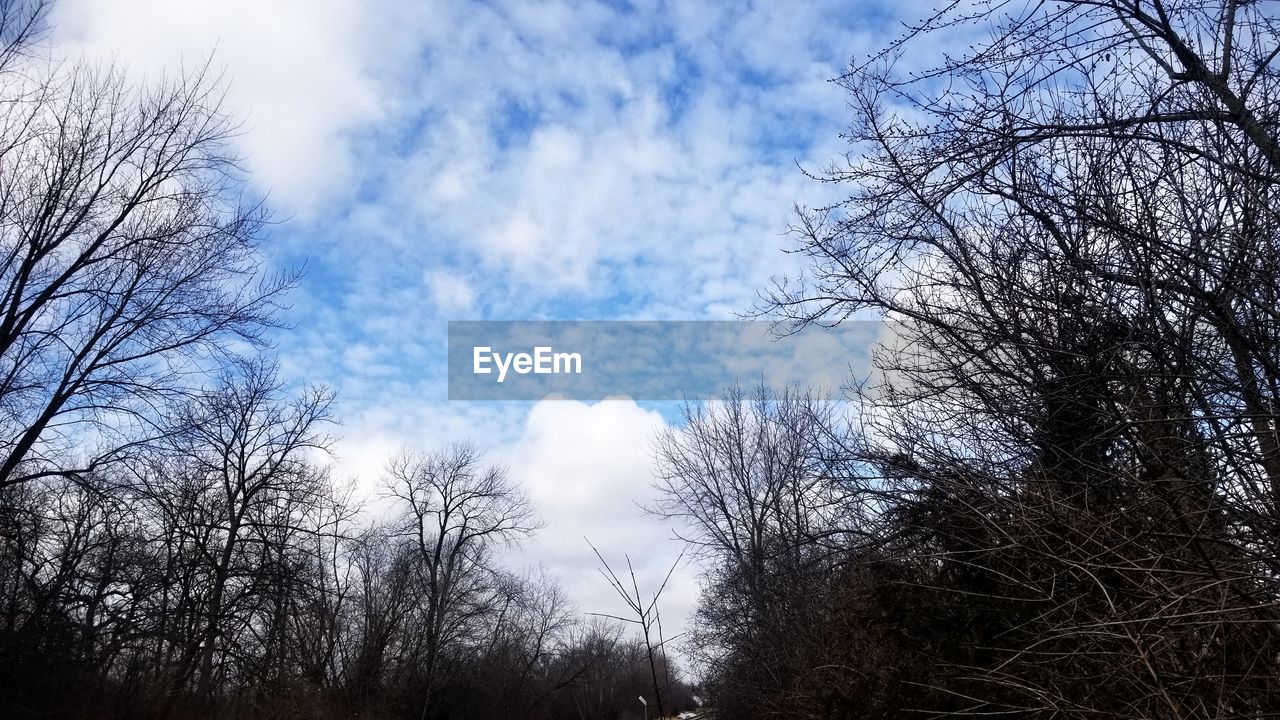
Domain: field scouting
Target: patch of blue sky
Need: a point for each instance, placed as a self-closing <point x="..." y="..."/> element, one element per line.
<point x="374" y="256"/>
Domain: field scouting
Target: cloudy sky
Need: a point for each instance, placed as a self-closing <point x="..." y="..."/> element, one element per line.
<point x="512" y="160"/>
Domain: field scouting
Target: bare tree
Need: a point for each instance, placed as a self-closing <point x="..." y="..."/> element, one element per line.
<point x="243" y="452"/>
<point x="645" y="614"/>
<point x="128" y="256"/>
<point x="756" y="485"/>
<point x="753" y="477"/>
<point x="1072" y="229"/>
<point x="455" y="512"/>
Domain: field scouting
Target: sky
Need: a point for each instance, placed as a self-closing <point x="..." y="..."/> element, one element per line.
<point x="435" y="161"/>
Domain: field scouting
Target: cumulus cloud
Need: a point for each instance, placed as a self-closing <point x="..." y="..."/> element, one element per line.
<point x="588" y="152"/>
<point x="589" y="468"/>
<point x="299" y="75"/>
<point x="452" y="294"/>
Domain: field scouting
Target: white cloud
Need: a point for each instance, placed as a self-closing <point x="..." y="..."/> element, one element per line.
<point x="532" y="145"/>
<point x="452" y="294"/>
<point x="589" y="468"/>
<point x="298" y="72"/>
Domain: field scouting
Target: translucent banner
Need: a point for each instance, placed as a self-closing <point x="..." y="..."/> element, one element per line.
<point x="646" y="360"/>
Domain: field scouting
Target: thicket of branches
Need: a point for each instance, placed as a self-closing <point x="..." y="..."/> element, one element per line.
<point x="171" y="542"/>
<point x="1059" y="491"/>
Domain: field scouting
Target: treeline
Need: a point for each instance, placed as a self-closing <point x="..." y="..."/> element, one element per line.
<point x="219" y="573"/>
<point x="1057" y="493"/>
<point x="171" y="542"/>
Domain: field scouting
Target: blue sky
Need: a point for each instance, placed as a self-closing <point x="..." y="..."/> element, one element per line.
<point x="537" y="160"/>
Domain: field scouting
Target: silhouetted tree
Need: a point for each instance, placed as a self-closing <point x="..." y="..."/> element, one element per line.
<point x="1070" y="229"/>
<point x="455" y="512"/>
<point x="127" y="254"/>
